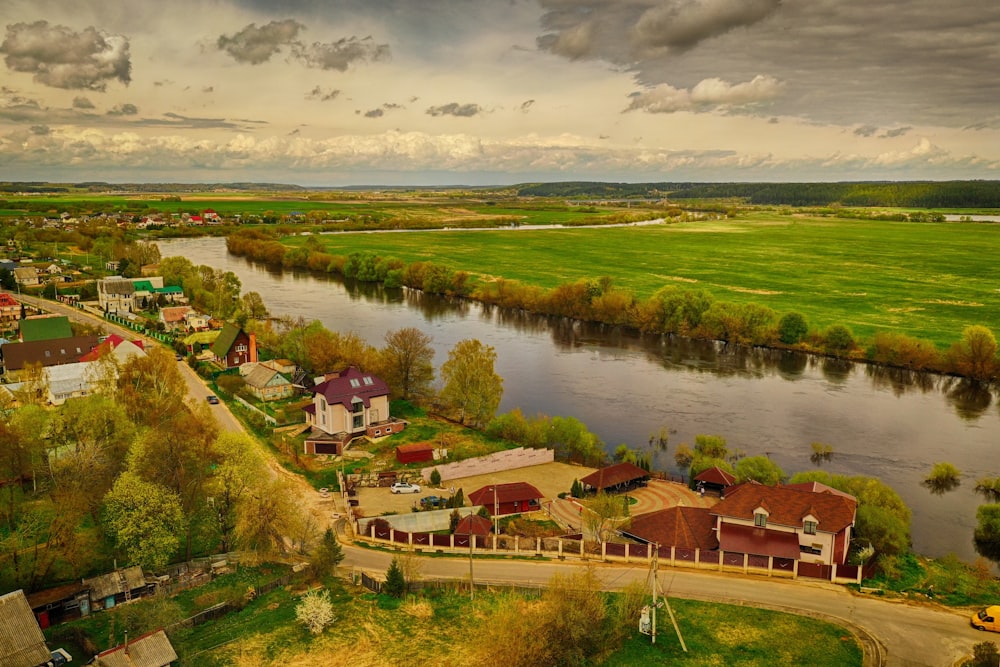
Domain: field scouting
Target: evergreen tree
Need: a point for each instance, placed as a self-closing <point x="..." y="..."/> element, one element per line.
<point x="395" y="583"/>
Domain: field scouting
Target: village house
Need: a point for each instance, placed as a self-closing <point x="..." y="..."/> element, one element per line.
<point x="21" y="641"/>
<point x="512" y="498"/>
<point x="27" y="276"/>
<point x="44" y="353"/>
<point x="149" y="650"/>
<point x="10" y="311"/>
<point x="116" y="294"/>
<point x="266" y="383"/>
<point x="234" y="347"/>
<point x="174" y="318"/>
<point x="348" y="405"/>
<point x="45" y="327"/>
<point x="795" y="522"/>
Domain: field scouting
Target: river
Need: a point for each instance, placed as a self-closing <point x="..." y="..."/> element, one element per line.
<point x="882" y="423"/>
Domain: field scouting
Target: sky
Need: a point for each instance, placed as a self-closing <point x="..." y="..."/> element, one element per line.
<point x="495" y="92"/>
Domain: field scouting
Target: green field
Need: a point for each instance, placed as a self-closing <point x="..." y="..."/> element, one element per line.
<point x="928" y="280"/>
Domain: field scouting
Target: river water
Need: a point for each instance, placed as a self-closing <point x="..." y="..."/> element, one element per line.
<point x="888" y="424"/>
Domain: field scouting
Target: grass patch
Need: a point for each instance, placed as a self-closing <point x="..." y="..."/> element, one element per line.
<point x="921" y="279"/>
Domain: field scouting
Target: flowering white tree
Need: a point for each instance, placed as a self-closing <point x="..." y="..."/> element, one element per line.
<point x="315" y="611"/>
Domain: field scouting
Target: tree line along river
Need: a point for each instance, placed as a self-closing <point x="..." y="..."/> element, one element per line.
<point x="881" y="422"/>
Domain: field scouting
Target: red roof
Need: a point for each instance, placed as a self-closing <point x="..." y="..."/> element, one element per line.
<point x="619" y="473"/>
<point x="350" y="384"/>
<point x="758" y="541"/>
<point x="715" y="475"/>
<point x="415" y="447"/>
<point x="685" y="527"/>
<point x="7" y="301"/>
<point x="505" y="493"/>
<point x="110" y="343"/>
<point x="477" y="524"/>
<point x="788" y="506"/>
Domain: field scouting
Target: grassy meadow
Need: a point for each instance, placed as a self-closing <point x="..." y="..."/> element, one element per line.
<point x="927" y="280"/>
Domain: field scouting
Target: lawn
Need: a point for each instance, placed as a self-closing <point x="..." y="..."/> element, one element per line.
<point x="928" y="280"/>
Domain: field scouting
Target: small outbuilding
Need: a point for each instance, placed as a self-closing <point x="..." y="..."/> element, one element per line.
<point x="150" y="650"/>
<point x="618" y="477"/>
<point x="415" y="452"/>
<point x="21" y="641"/>
<point x="715" y="480"/>
<point x="474" y="524"/>
<point x="512" y="498"/>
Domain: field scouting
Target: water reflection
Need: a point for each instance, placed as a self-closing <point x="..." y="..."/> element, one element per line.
<point x="901" y="380"/>
<point x="939" y="487"/>
<point x="969" y="398"/>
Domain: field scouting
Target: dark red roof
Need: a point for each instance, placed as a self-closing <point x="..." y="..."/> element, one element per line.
<point x="477" y="524"/>
<point x="7" y="301"/>
<point x="110" y="343"/>
<point x="505" y="493"/>
<point x="415" y="447"/>
<point x="758" y="541"/>
<point x="350" y="384"/>
<point x="789" y="505"/>
<point x="684" y="527"/>
<point x="715" y="475"/>
<point x="619" y="473"/>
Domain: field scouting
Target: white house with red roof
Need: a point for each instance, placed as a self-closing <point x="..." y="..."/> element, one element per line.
<point x="348" y="405"/>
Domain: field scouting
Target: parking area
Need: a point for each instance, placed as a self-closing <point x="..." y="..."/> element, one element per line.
<point x="550" y="478"/>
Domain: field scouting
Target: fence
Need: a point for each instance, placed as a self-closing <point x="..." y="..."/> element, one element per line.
<point x="380" y="533"/>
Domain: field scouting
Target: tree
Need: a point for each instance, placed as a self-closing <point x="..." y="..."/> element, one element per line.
<point x="407" y="362"/>
<point x="151" y="389"/>
<point x="759" y="469"/>
<point x="435" y="479"/>
<point x="604" y="513"/>
<point x="984" y="654"/>
<point x="315" y="611"/>
<point x="987" y="534"/>
<point x="975" y="356"/>
<point x="327" y="555"/>
<point x="839" y="338"/>
<point x="239" y="471"/>
<point x="472" y="389"/>
<point x="711" y="446"/>
<point x="792" y="328"/>
<point x="144" y="520"/>
<point x="268" y="517"/>
<point x="395" y="582"/>
<point x="683" y="457"/>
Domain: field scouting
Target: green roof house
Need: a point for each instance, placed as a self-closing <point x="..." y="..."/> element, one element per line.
<point x="234" y="347"/>
<point x="45" y="328"/>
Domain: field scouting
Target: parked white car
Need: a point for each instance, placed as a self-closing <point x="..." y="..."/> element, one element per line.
<point x="405" y="487"/>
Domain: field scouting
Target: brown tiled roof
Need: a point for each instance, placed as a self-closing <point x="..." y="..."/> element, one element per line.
<point x="715" y="475"/>
<point x="350" y="384"/>
<point x="619" y="473"/>
<point x="684" y="527"/>
<point x="47" y="352"/>
<point x="21" y="641"/>
<point x="505" y="493"/>
<point x="478" y="524"/>
<point x="151" y="650"/>
<point x="759" y="541"/>
<point x="788" y="506"/>
<point x="415" y="447"/>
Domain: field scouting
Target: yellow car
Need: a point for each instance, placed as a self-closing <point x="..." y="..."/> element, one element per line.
<point x="987" y="619"/>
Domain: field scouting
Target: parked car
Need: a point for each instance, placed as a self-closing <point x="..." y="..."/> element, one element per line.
<point x="987" y="619"/>
<point x="214" y="400"/>
<point x="432" y="501"/>
<point x="59" y="657"/>
<point x="405" y="487"/>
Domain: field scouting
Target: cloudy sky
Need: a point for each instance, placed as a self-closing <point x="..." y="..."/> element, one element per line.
<point x="341" y="92"/>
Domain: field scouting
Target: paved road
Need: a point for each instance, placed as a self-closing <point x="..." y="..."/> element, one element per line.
<point x="913" y="635"/>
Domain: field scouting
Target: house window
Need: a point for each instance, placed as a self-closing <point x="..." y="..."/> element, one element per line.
<point x="359" y="421"/>
<point x="369" y="381"/>
<point x="814" y="549"/>
<point x="358" y="407"/>
<point x="241" y="347"/>
<point x="760" y="520"/>
<point x="355" y="383"/>
<point x="809" y="528"/>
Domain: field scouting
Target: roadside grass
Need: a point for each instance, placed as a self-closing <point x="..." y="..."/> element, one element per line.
<point x="946" y="580"/>
<point x="927" y="280"/>
<point x="441" y="626"/>
<point x="730" y="635"/>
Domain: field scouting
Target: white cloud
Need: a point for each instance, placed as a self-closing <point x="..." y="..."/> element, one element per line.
<point x="708" y="94"/>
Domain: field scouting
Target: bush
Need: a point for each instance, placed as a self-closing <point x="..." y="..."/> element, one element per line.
<point x="792" y="328"/>
<point x="839" y="338"/>
<point x="435" y="477"/>
<point x="395" y="583"/>
<point x="315" y="611"/>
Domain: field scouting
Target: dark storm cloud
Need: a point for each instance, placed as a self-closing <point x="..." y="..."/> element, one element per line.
<point x="626" y="31"/>
<point x="124" y="110"/>
<point x="526" y="105"/>
<point x="256" y="45"/>
<point x="82" y="103"/>
<point x="374" y="113"/>
<point x="455" y="109"/>
<point x="341" y="54"/>
<point x="40" y="130"/>
<point x="895" y="132"/>
<point x="865" y="131"/>
<point x="318" y="93"/>
<point x="61" y="57"/>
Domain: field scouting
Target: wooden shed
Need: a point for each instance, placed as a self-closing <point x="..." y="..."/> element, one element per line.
<point x="415" y="452"/>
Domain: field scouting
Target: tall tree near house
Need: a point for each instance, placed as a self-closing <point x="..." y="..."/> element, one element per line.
<point x="240" y="469"/>
<point x="34" y="388"/>
<point x="407" y="362"/>
<point x="472" y="389"/>
<point x="144" y="520"/>
<point x="151" y="389"/>
<point x="604" y="513"/>
<point x="268" y="517"/>
<point x="179" y="457"/>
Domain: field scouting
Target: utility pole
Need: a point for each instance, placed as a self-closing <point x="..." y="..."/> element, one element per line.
<point x="649" y="613"/>
<point x="472" y="583"/>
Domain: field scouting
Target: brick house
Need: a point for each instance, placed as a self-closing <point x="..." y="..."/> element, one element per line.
<point x="234" y="347"/>
<point x="512" y="498"/>
<point x="349" y="405"/>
